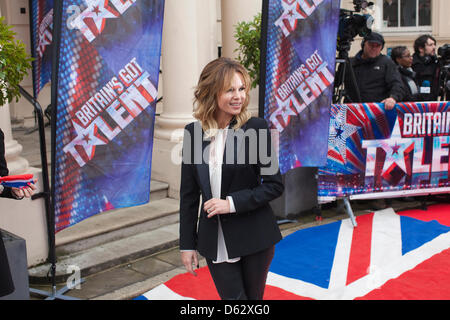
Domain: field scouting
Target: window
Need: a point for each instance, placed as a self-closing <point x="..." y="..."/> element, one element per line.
<point x="406" y="15"/>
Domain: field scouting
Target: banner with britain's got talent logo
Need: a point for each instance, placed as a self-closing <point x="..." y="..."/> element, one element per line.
<point x="107" y="91"/>
<point x="376" y="153"/>
<point x="41" y="40"/>
<point x="300" y="60"/>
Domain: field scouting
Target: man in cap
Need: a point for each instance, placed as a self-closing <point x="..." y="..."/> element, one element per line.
<point x="377" y="80"/>
<point x="376" y="75"/>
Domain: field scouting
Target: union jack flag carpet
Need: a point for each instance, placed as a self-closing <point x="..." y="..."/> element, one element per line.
<point x="389" y="255"/>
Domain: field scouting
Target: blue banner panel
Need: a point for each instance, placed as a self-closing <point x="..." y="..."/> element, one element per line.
<point x="41" y="42"/>
<point x="109" y="62"/>
<point x="300" y="62"/>
<point x="387" y="153"/>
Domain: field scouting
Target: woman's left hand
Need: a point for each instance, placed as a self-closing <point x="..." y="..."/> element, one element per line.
<point x="216" y="206"/>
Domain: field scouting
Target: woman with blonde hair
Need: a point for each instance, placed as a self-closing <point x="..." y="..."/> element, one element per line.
<point x="229" y="163"/>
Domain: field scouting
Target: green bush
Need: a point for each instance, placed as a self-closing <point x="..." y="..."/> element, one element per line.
<point x="248" y="36"/>
<point x="14" y="64"/>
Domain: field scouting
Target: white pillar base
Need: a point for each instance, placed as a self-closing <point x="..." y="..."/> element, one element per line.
<point x="163" y="168"/>
<point x="170" y="126"/>
<point x="27" y="219"/>
<point x="16" y="164"/>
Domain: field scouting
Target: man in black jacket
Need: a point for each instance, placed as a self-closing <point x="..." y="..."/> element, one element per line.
<point x="377" y="77"/>
<point x="426" y="66"/>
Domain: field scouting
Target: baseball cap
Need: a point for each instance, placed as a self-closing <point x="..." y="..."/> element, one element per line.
<point x="374" y="37"/>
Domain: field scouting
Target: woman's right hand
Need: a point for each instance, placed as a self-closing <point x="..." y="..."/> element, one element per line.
<point x="190" y="260"/>
<point x="26" y="192"/>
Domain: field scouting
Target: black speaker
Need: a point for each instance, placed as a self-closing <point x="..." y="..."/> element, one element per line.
<point x="16" y="251"/>
<point x="300" y="193"/>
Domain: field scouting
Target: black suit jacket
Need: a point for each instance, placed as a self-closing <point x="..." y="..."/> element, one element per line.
<point x="247" y="176"/>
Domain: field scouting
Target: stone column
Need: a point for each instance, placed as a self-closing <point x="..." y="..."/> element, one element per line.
<point x="234" y="11"/>
<point x="25" y="218"/>
<point x="189" y="43"/>
<point x="439" y="16"/>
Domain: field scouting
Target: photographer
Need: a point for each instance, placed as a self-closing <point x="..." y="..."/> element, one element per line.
<point x="377" y="77"/>
<point x="403" y="58"/>
<point x="426" y="66"/>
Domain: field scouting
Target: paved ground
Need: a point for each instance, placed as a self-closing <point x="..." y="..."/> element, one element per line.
<point x="137" y="277"/>
<point x="127" y="281"/>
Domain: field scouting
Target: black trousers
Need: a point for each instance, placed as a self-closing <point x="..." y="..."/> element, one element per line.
<point x="242" y="280"/>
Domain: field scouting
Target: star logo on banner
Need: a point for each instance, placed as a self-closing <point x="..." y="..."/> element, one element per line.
<point x="394" y="147"/>
<point x="291" y="13"/>
<point x="87" y="138"/>
<point x="340" y="130"/>
<point x="285" y="109"/>
<point x="45" y="38"/>
<point x="96" y="10"/>
<point x="96" y="14"/>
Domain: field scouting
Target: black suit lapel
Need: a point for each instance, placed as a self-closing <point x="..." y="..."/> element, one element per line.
<point x="230" y="157"/>
<point x="203" y="169"/>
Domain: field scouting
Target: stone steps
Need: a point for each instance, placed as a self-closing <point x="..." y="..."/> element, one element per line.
<point x="115" y="237"/>
<point x="108" y="255"/>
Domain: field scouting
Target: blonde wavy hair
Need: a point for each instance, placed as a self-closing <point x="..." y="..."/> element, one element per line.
<point x="216" y="78"/>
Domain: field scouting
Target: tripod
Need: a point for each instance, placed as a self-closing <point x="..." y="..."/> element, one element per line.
<point x="340" y="89"/>
<point x="444" y="81"/>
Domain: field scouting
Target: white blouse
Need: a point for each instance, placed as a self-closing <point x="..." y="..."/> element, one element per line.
<point x="217" y="147"/>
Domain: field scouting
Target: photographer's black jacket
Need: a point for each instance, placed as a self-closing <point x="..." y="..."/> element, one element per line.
<point x="377" y="79"/>
<point x="409" y="83"/>
<point x="427" y="68"/>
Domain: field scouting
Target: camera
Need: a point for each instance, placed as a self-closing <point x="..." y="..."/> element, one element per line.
<point x="444" y="52"/>
<point x="361" y="5"/>
<point x="351" y="25"/>
<point x="444" y="75"/>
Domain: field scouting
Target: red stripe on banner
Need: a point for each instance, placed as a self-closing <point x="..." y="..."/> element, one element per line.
<point x="335" y="155"/>
<point x="438" y="212"/>
<point x="366" y="125"/>
<point x="359" y="261"/>
<point x="430" y="280"/>
<point x="352" y="158"/>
